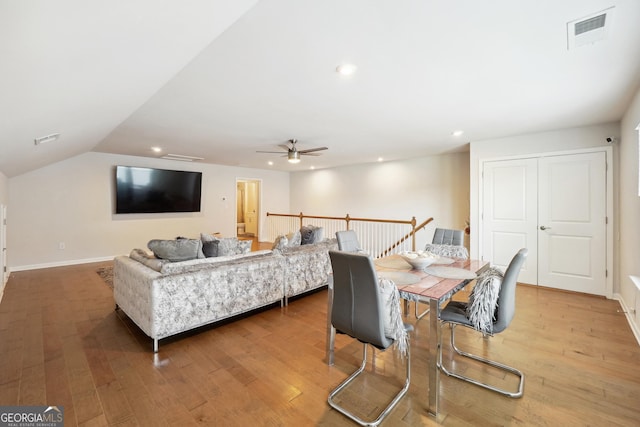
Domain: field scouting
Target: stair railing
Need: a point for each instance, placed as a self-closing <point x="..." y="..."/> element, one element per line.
<point x="379" y="237"/>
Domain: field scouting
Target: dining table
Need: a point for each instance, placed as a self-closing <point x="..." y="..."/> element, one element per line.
<point x="432" y="285"/>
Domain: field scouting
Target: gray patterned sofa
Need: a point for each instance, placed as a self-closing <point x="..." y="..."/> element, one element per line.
<point x="167" y="298"/>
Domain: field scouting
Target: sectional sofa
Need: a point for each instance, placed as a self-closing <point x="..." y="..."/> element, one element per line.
<point x="167" y="298"/>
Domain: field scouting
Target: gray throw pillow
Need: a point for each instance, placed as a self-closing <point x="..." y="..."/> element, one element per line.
<point x="244" y="246"/>
<point x="294" y="239"/>
<point x="228" y="246"/>
<point x="176" y="250"/>
<point x="318" y="235"/>
<point x="280" y="243"/>
<point x="210" y="248"/>
<point x="311" y="234"/>
<point x="207" y="237"/>
<point x="306" y="235"/>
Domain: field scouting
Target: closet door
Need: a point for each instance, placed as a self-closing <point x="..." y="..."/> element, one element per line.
<point x="556" y="207"/>
<point x="572" y="222"/>
<point x="510" y="213"/>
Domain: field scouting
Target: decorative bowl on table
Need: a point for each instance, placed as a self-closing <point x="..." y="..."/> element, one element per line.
<point x="419" y="260"/>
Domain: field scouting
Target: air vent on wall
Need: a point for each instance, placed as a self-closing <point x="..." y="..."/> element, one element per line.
<point x="590" y="29"/>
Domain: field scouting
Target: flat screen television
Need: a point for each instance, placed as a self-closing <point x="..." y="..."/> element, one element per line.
<point x="146" y="190"/>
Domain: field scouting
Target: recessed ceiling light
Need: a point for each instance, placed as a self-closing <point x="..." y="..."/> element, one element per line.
<point x="47" y="138"/>
<point x="312" y="167"/>
<point x="380" y="159"/>
<point x="346" y="69"/>
<point x="156" y="149"/>
<point x="270" y="163"/>
<point x="457" y="132"/>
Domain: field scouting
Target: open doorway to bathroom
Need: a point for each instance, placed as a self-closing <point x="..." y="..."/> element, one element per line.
<point x="247" y="207"/>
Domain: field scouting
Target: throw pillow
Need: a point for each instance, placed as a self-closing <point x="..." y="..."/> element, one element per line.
<point x="280" y="243"/>
<point x="294" y="238"/>
<point x="318" y="235"/>
<point x="311" y="234"/>
<point x="207" y="237"/>
<point x="306" y="234"/>
<point x="231" y="246"/>
<point x="210" y="248"/>
<point x="176" y="250"/>
<point x="244" y="246"/>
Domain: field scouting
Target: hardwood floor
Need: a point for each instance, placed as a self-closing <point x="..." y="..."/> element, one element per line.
<point x="62" y="343"/>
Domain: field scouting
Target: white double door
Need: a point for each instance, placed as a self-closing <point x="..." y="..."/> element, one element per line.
<point x="556" y="207"/>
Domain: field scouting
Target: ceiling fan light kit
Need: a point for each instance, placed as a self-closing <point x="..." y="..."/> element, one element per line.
<point x="293" y="157"/>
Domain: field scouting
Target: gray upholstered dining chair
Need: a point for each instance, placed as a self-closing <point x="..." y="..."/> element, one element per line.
<point x="457" y="313"/>
<point x="448" y="243"/>
<point x="445" y="243"/>
<point x="359" y="311"/>
<point x="444" y="236"/>
<point x="348" y="241"/>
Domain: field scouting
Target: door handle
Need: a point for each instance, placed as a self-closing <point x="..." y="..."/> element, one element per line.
<point x="542" y="227"/>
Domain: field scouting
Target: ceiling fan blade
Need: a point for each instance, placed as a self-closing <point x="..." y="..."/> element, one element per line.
<point x="311" y="150"/>
<point x="309" y="154"/>
<point x="270" y="152"/>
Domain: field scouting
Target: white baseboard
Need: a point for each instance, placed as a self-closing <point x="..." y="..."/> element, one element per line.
<point x="60" y="263"/>
<point x="628" y="313"/>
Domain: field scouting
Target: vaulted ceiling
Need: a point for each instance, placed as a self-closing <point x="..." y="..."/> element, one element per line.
<point x="222" y="79"/>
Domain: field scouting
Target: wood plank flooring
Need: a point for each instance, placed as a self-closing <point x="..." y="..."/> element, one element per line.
<point x="62" y="343"/>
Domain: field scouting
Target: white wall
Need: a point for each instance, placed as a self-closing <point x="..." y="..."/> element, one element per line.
<point x="629" y="213"/>
<point x="4" y="197"/>
<point x="436" y="186"/>
<point x="4" y="189"/>
<point x="71" y="202"/>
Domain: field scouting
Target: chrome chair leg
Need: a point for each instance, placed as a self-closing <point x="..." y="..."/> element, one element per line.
<point x="391" y="405"/>
<point x="497" y="365"/>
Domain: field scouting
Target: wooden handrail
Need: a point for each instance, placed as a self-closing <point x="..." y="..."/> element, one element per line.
<point x="347" y="218"/>
<point x="412" y="234"/>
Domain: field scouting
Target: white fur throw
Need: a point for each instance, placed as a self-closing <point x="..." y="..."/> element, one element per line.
<point x="484" y="300"/>
<point x="393" y="325"/>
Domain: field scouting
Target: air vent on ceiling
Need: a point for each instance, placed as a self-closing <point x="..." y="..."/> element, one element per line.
<point x="590" y="29"/>
<point x="44" y="139"/>
<point x="181" y="157"/>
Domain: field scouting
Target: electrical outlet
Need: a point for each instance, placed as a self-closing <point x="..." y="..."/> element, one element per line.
<point x="61" y="245"/>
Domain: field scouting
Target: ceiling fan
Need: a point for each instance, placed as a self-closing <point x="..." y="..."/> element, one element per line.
<point x="293" y="154"/>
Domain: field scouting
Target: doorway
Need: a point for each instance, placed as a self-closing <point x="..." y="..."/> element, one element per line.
<point x="556" y="206"/>
<point x="247" y="207"/>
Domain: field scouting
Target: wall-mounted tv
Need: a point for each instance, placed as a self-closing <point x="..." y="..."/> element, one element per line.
<point x="146" y="190"/>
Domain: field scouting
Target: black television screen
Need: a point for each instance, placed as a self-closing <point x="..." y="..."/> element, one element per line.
<point x="145" y="190"/>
